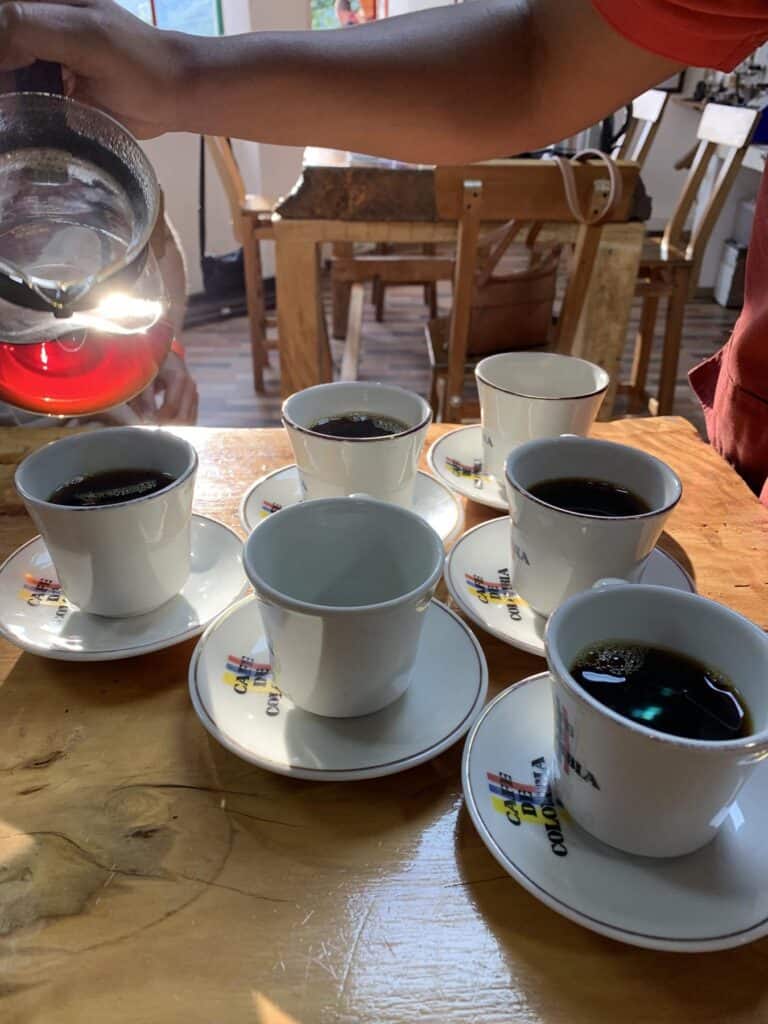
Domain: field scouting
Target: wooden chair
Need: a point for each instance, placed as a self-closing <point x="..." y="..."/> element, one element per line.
<point x="522" y="190"/>
<point x="644" y="124"/>
<point x="251" y="224"/>
<point x="670" y="265"/>
<point x="383" y="268"/>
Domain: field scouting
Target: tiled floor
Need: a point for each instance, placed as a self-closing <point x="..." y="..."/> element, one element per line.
<point x="219" y="357"/>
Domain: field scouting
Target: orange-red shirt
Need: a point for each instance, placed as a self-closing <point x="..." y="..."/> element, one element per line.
<point x="733" y="384"/>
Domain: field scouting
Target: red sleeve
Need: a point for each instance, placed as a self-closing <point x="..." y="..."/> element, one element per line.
<point x="701" y="33"/>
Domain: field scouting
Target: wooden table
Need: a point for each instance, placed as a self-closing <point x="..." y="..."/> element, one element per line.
<point x="148" y="876"/>
<point x="343" y="204"/>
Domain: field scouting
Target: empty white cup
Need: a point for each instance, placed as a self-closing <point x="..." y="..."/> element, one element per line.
<point x="384" y="467"/>
<point x="123" y="559"/>
<point x="640" y="790"/>
<point x="528" y="395"/>
<point x="343" y="586"/>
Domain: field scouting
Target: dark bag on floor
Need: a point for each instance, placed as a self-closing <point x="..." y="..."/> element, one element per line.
<point x="223" y="276"/>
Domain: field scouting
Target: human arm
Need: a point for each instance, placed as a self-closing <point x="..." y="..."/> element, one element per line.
<point x="452" y="84"/>
<point x="172" y="396"/>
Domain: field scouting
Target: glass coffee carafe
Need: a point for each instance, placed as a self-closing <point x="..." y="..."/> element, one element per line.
<point x="83" y="310"/>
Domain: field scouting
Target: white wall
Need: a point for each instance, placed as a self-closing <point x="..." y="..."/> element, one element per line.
<point x="268" y="170"/>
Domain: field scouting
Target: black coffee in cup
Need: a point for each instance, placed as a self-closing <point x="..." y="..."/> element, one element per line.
<point x="590" y="497"/>
<point x="663" y="690"/>
<point x="110" y="487"/>
<point x="358" y="425"/>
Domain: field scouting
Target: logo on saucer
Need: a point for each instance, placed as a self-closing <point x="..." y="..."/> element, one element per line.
<point x="472" y="472"/>
<point x="497" y="592"/>
<point x="525" y="803"/>
<point x="268" y="507"/>
<point x="245" y="676"/>
<point x="43" y="591"/>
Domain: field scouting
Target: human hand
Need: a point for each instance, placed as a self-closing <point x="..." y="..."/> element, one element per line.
<point x="178" y="391"/>
<point x="111" y="59"/>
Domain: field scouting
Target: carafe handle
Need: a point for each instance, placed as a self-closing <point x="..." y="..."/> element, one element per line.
<point x="41" y="76"/>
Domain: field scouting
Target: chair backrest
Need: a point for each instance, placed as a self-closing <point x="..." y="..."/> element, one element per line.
<point x="227" y="168"/>
<point x="726" y="132"/>
<point x="524" y="190"/>
<point x="644" y="123"/>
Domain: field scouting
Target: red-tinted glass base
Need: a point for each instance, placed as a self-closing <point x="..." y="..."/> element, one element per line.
<point x="83" y="376"/>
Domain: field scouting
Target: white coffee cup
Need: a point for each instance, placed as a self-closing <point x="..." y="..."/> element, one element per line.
<point x="384" y="467"/>
<point x="123" y="559"/>
<point x="343" y="585"/>
<point x="528" y="395"/>
<point x="640" y="790"/>
<point x="556" y="553"/>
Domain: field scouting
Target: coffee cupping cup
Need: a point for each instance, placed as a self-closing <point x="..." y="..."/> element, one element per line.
<point x="126" y="558"/>
<point x="343" y="586"/>
<point x="529" y="395"/>
<point x="640" y="790"/>
<point x="384" y="467"/>
<point x="555" y="552"/>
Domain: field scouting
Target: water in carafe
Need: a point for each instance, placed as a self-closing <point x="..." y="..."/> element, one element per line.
<point x="66" y="224"/>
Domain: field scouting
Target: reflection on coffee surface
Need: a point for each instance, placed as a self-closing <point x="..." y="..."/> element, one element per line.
<point x="358" y="425"/>
<point x="110" y="487"/>
<point x="590" y="497"/>
<point x="663" y="690"/>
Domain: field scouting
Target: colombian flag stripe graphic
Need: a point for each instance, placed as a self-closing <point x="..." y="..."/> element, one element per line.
<point x="510" y="786"/>
<point x="245" y="675"/>
<point x="33" y="583"/>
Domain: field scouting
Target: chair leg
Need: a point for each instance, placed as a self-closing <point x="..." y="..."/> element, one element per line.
<point x="430" y="298"/>
<point x="643" y="349"/>
<point x="672" y="337"/>
<point x="377" y="297"/>
<point x="350" y="363"/>
<point x="254" y="294"/>
<point x="434" y="397"/>
<point x="340" y="291"/>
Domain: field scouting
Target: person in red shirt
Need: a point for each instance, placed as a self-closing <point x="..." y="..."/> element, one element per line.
<point x="448" y="85"/>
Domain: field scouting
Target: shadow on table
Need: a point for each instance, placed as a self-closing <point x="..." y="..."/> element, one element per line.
<point x="568" y="972"/>
<point x="323" y="822"/>
<point x="676" y="551"/>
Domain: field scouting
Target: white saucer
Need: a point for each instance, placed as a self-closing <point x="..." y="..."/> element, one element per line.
<point x="713" y="899"/>
<point x="35" y="616"/>
<point x="457" y="460"/>
<point x="237" y="702"/>
<point x="431" y="499"/>
<point x="477" y="577"/>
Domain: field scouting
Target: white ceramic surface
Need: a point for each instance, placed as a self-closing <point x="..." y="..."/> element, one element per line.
<point x="557" y="553"/>
<point x="234" y="695"/>
<point x="456" y="458"/>
<point x="432" y="500"/>
<point x="332" y="467"/>
<point x="35" y="616"/>
<point x="638" y="789"/>
<point x="710" y="900"/>
<point x="344" y="584"/>
<point x="478" y="579"/>
<point x="116" y="560"/>
<point x="528" y="395"/>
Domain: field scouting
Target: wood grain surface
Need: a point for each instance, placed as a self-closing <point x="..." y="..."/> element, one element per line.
<point x="148" y="875"/>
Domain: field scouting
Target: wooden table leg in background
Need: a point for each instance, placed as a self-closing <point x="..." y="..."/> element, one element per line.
<point x="305" y="357"/>
<point x="340" y="293"/>
<point x="602" y="331"/>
